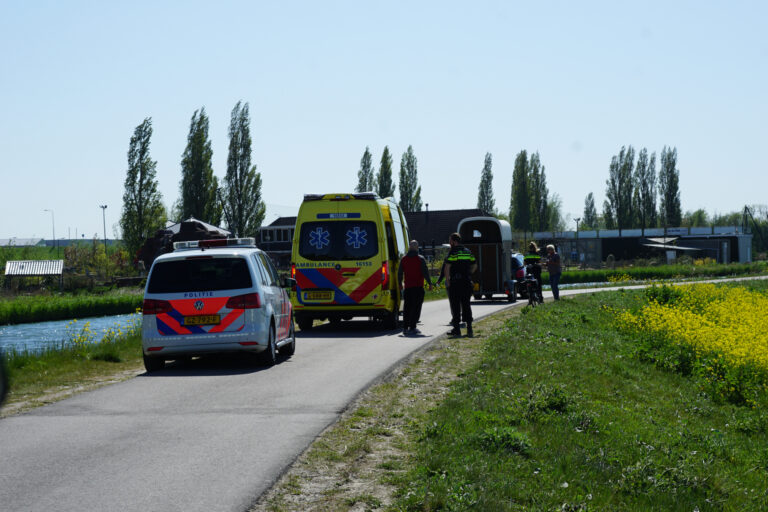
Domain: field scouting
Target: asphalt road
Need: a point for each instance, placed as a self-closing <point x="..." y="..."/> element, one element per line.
<point x="207" y="435"/>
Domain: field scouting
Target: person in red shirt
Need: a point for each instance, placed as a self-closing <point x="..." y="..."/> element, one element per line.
<point x="411" y="275"/>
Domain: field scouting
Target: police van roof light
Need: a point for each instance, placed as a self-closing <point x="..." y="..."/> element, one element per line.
<point x="219" y="242"/>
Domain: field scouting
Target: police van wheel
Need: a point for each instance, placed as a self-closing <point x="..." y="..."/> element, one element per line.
<point x="289" y="348"/>
<point x="154" y="364"/>
<point x="269" y="355"/>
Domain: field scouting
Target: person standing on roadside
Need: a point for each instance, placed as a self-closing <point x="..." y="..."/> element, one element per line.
<point x="555" y="270"/>
<point x="411" y="275"/>
<point x="459" y="266"/>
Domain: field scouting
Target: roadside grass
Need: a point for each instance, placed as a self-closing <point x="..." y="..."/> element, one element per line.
<point x="355" y="463"/>
<point x="552" y="408"/>
<point x="42" y="308"/>
<point x="83" y="362"/>
<point x="560" y="414"/>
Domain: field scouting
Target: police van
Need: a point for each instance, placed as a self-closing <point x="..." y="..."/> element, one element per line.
<point x="214" y="296"/>
<point x="345" y="254"/>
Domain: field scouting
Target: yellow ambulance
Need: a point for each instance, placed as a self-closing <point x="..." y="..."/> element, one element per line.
<point x="345" y="255"/>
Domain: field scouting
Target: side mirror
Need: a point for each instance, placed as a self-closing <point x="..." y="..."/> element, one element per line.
<point x="289" y="283"/>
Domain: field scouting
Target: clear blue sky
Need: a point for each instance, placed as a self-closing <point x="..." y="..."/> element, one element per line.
<point x="574" y="81"/>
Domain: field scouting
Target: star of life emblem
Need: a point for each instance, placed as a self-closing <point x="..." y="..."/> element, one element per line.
<point x="319" y="238"/>
<point x="357" y="238"/>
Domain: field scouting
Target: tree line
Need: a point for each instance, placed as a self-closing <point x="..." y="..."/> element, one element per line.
<point x="636" y="195"/>
<point x="237" y="201"/>
<point x="632" y="189"/>
<point x="368" y="180"/>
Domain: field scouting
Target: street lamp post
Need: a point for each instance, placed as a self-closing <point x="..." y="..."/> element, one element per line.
<point x="577" y="219"/>
<point x="53" y="227"/>
<point x="104" y="220"/>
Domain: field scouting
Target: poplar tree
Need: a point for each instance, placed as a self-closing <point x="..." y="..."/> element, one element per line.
<point x="485" y="201"/>
<point x="365" y="176"/>
<point x="143" y="211"/>
<point x="619" y="187"/>
<point x="645" y="183"/>
<point x="410" y="191"/>
<point x="553" y="214"/>
<point x="520" y="204"/>
<point x="242" y="202"/>
<point x="199" y="187"/>
<point x="589" y="218"/>
<point x="608" y="219"/>
<point x="384" y="185"/>
<point x="537" y="180"/>
<point x="669" y="189"/>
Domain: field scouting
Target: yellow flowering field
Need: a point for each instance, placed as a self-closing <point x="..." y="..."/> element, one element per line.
<point x="724" y="330"/>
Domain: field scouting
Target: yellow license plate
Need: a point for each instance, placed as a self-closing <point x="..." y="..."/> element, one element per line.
<point x="319" y="295"/>
<point x="202" y="320"/>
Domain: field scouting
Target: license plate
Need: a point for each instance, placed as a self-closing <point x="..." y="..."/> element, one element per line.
<point x="202" y="320"/>
<point x="319" y="295"/>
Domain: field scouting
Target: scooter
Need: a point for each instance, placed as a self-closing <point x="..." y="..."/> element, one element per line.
<point x="531" y="286"/>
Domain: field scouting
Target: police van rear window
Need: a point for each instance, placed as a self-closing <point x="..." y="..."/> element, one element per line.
<point x="199" y="275"/>
<point x="338" y="240"/>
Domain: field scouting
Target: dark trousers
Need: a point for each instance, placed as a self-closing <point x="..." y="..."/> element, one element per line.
<point x="413" y="298"/>
<point x="459" y="295"/>
<point x="554" y="282"/>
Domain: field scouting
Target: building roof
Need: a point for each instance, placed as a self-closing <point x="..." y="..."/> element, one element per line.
<point x="434" y="227"/>
<point x="34" y="268"/>
<point x="283" y="222"/>
<point x="176" y="227"/>
<point x="20" y="242"/>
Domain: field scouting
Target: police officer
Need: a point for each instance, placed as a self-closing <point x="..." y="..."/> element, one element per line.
<point x="459" y="266"/>
<point x="412" y="273"/>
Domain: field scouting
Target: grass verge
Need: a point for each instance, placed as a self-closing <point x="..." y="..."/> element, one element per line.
<point x="546" y="409"/>
<point x="40" y="378"/>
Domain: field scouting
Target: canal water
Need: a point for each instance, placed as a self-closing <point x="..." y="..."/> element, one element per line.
<point x="34" y="337"/>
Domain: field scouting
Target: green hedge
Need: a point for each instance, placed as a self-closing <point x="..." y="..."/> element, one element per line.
<point x="661" y="272"/>
<point x="63" y="307"/>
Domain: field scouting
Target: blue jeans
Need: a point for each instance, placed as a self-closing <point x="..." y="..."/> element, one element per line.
<point x="554" y="282"/>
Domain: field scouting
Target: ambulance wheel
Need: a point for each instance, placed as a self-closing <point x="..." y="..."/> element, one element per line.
<point x="154" y="364"/>
<point x="390" y="321"/>
<point x="305" y="323"/>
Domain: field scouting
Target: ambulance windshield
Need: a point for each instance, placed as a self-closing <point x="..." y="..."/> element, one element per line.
<point x="338" y="240"/>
